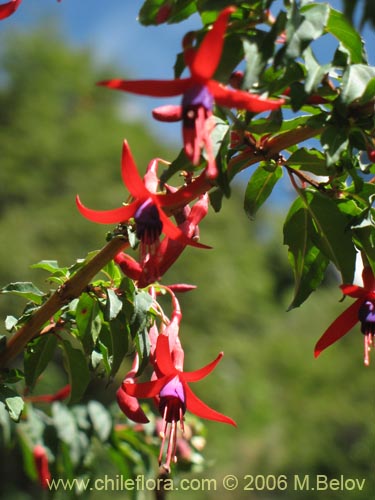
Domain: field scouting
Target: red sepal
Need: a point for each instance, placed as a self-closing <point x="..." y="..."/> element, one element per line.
<point x="340" y="327"/>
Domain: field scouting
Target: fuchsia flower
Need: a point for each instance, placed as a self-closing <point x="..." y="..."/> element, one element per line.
<point x="152" y="268"/>
<point x="199" y="92"/>
<point x="174" y="394"/>
<point x="146" y="209"/>
<point x="7" y="9"/>
<point x="363" y="310"/>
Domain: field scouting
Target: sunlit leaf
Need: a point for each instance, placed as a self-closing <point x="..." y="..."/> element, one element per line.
<point x="26" y="290"/>
<point x="259" y="188"/>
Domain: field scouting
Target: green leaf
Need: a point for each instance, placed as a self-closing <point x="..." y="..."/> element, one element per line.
<point x="334" y="141"/>
<point x="340" y="27"/>
<point x="77" y="370"/>
<point x="37" y="355"/>
<point x="315" y="71"/>
<point x="101" y="420"/>
<point x="356" y="81"/>
<point x="181" y="9"/>
<point x="218" y="134"/>
<point x="139" y="319"/>
<point x="333" y="236"/>
<point x="25" y="289"/>
<point x="119" y="332"/>
<point x="311" y="160"/>
<point x="142" y="344"/>
<point x="13" y="402"/>
<point x="259" y="188"/>
<point x="303" y="26"/>
<point x="113" y="271"/>
<point x="369" y="92"/>
<point x="88" y="319"/>
<point x="113" y="305"/>
<point x="48" y="265"/>
<point x="307" y="261"/>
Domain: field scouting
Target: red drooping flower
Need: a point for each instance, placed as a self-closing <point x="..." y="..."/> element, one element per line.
<point x="146" y="209"/>
<point x="41" y="464"/>
<point x="152" y="268"/>
<point x="171" y="387"/>
<point x="60" y="395"/>
<point x="199" y="91"/>
<point x="7" y="9"/>
<point x="362" y="310"/>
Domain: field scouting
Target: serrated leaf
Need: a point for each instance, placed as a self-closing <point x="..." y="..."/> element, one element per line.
<point x="340" y="27"/>
<point x="13" y="402"/>
<point x="355" y="82"/>
<point x="37" y="355"/>
<point x="307" y="261"/>
<point x="77" y="370"/>
<point x="26" y="290"/>
<point x="259" y="188"/>
<point x="101" y="420"/>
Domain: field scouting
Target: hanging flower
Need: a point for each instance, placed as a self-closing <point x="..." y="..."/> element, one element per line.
<point x="157" y="264"/>
<point x="199" y="92"/>
<point x="41" y="464"/>
<point x="7" y="9"/>
<point x="146" y="209"/>
<point x="171" y="387"/>
<point x="362" y="310"/>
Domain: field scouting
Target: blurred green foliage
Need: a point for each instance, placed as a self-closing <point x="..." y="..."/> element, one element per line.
<point x="59" y="135"/>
